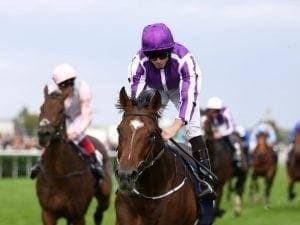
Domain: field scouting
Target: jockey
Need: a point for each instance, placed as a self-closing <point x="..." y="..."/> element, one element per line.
<point x="168" y="67"/>
<point x="293" y="133"/>
<point x="244" y="135"/>
<point x="260" y="128"/>
<point x="263" y="128"/>
<point x="78" y="110"/>
<point x="223" y="126"/>
<point x="292" y="137"/>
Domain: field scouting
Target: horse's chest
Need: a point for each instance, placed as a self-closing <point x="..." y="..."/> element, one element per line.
<point x="63" y="201"/>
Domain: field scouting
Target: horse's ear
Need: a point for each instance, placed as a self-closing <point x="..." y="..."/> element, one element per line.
<point x="155" y="102"/>
<point x="124" y="100"/>
<point x="46" y="91"/>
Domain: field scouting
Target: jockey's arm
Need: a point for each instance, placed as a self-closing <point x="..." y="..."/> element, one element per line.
<point x="136" y="76"/>
<point x="79" y="125"/>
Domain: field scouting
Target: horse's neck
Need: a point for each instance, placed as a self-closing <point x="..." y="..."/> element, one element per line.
<point x="158" y="177"/>
<point x="263" y="148"/>
<point x="208" y="129"/>
<point x="297" y="139"/>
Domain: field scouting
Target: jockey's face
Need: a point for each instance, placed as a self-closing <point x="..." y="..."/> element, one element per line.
<point x="214" y="112"/>
<point x="159" y="59"/>
<point x="67" y="87"/>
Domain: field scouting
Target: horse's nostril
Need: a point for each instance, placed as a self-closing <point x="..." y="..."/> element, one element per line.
<point x="134" y="173"/>
<point x="126" y="174"/>
<point x="44" y="133"/>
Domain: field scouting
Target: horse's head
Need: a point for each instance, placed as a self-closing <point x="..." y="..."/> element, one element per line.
<point x="52" y="118"/>
<point x="261" y="138"/>
<point x="140" y="142"/>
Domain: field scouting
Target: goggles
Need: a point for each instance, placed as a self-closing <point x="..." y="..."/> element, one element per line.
<point x="67" y="83"/>
<point x="153" y="56"/>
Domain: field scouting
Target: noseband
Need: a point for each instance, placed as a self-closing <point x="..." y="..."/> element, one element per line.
<point x="58" y="134"/>
<point x="150" y="160"/>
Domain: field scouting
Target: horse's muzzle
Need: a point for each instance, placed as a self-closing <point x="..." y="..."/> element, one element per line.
<point x="126" y="179"/>
<point x="44" y="137"/>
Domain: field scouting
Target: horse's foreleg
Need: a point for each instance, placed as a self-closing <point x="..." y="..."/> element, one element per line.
<point x="48" y="218"/>
<point x="79" y="221"/>
<point x="219" y="211"/>
<point x="254" y="189"/>
<point x="229" y="189"/>
<point x="291" y="193"/>
<point x="103" y="196"/>
<point x="269" y="182"/>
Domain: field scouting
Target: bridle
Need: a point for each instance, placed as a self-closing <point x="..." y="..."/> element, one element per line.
<point x="60" y="136"/>
<point x="150" y="160"/>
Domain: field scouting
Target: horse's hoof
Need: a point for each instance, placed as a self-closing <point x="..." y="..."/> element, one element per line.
<point x="220" y="212"/>
<point x="291" y="196"/>
<point x="237" y="212"/>
<point x="237" y="206"/>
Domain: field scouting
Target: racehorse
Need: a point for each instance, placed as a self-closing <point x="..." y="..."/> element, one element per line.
<point x="264" y="164"/>
<point x="223" y="168"/>
<point x="154" y="185"/>
<point x="66" y="185"/>
<point x="293" y="167"/>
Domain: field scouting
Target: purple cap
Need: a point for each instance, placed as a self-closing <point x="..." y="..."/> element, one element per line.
<point x="156" y="37"/>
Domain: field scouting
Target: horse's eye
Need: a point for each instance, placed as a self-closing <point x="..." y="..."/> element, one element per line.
<point x="152" y="136"/>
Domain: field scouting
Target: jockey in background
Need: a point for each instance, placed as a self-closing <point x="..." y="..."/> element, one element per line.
<point x="269" y="130"/>
<point x="295" y="130"/>
<point x="245" y="136"/>
<point x="292" y="137"/>
<point x="78" y="110"/>
<point x="223" y="126"/>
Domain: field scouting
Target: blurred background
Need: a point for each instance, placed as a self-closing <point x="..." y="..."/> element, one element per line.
<point x="248" y="52"/>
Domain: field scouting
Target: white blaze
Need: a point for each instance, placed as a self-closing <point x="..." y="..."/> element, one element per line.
<point x="134" y="125"/>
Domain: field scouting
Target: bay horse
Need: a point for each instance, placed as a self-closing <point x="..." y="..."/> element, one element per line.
<point x="293" y="166"/>
<point x="66" y="185"/>
<point x="222" y="166"/>
<point x="154" y="184"/>
<point x="264" y="164"/>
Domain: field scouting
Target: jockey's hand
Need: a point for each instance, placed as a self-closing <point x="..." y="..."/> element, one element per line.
<point x="171" y="131"/>
<point x="217" y="135"/>
<point x="72" y="135"/>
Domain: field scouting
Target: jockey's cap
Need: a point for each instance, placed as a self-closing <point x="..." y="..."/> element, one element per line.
<point x="63" y="72"/>
<point x="156" y="37"/>
<point x="214" y="103"/>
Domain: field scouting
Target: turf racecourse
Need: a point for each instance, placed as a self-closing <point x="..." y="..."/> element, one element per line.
<point x="19" y="206"/>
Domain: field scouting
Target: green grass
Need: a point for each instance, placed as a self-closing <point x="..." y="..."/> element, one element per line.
<point x="19" y="206"/>
<point x="278" y="211"/>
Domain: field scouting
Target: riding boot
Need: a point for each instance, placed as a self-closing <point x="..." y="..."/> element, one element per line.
<point x="96" y="165"/>
<point x="200" y="153"/>
<point x="34" y="171"/>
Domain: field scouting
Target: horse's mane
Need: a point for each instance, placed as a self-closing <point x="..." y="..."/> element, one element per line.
<point x="142" y="101"/>
<point x="55" y="94"/>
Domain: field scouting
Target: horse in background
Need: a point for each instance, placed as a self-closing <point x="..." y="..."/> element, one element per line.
<point x="224" y="169"/>
<point x="293" y="167"/>
<point x="264" y="164"/>
<point x="66" y="185"/>
<point x="155" y="186"/>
